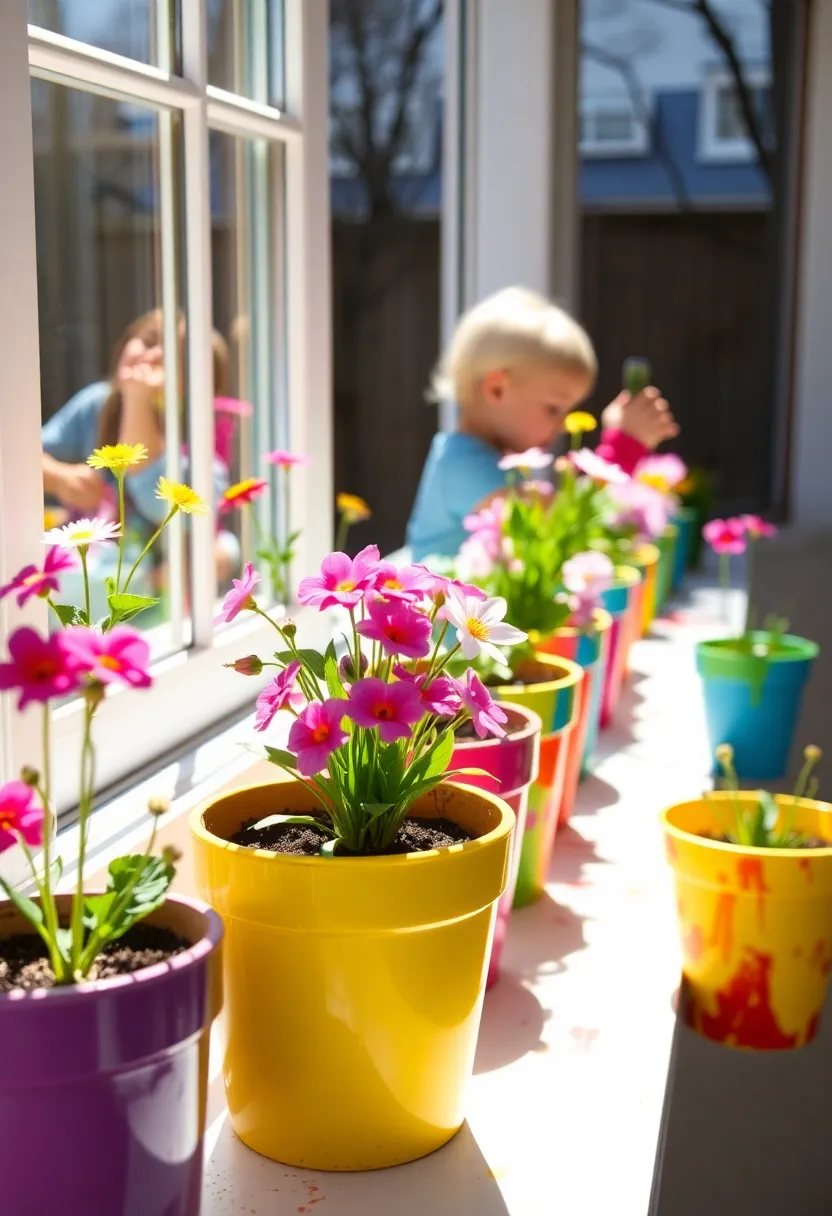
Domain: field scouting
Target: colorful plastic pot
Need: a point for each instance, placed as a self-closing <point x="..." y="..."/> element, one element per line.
<point x="631" y="625"/>
<point x="554" y="693"/>
<point x="589" y="650"/>
<point x="667" y="543"/>
<point x="646" y="559"/>
<point x="685" y="521"/>
<point x="103" y="1085"/>
<point x="756" y="926"/>
<point x="753" y="701"/>
<point x="513" y="763"/>
<point x="617" y="602"/>
<point x="353" y="986"/>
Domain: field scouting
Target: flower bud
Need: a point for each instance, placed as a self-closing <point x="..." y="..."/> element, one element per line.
<point x="250" y="665"/>
<point x="812" y="753"/>
<point x="158" y="804"/>
<point x="345" y="668"/>
<point x="30" y="776"/>
<point x="289" y="628"/>
<point x="171" y="855"/>
<point x="725" y="753"/>
<point x="93" y="693"/>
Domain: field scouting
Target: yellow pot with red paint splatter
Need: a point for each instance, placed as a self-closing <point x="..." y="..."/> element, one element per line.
<point x="756" y="924"/>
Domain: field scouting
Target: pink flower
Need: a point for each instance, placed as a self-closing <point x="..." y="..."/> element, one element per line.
<point x="663" y="471"/>
<point x="393" y="708"/>
<point x="34" y="580"/>
<point x="41" y="668"/>
<point x="595" y="467"/>
<point x="485" y="714"/>
<point x="752" y="524"/>
<point x="640" y="506"/>
<point x="241" y="595"/>
<point x="121" y="656"/>
<point x="280" y="691"/>
<point x="725" y="535"/>
<point x="409" y="583"/>
<point x="343" y="580"/>
<point x="543" y="488"/>
<point x="586" y="576"/>
<point x="437" y="697"/>
<point x="316" y="734"/>
<point x="486" y="527"/>
<point x="400" y="628"/>
<point x="475" y="559"/>
<point x="285" y="460"/>
<point x="442" y="585"/>
<point x="533" y="458"/>
<point x="20" y="815"/>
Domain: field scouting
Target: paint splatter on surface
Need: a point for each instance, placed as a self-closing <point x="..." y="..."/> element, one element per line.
<point x="744" y="1014"/>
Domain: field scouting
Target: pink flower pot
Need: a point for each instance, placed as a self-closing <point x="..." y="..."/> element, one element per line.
<point x="618" y="603"/>
<point x="512" y="763"/>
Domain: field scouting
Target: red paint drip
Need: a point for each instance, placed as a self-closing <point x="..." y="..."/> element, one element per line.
<point x="694" y="943"/>
<point x="806" y="866"/>
<point x="750" y="875"/>
<point x="722" y="930"/>
<point x="744" y="1014"/>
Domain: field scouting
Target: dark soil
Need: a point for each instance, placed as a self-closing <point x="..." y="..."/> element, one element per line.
<point x="24" y="965"/>
<point x="807" y="842"/>
<point x="414" y="836"/>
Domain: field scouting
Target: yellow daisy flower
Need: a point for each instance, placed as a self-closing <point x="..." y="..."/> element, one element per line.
<point x="579" y="423"/>
<point x="353" y="508"/>
<point x="180" y="496"/>
<point x="117" y="456"/>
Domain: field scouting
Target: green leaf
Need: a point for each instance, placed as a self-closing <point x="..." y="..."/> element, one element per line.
<point x="470" y="772"/>
<point x="70" y="614"/>
<point x="329" y="846"/>
<point x="374" y="809"/>
<point x="333" y="683"/>
<point x="435" y="761"/>
<point x="770" y="812"/>
<point x="125" y="605"/>
<point x="136" y="885"/>
<point x="306" y="821"/>
<point x="26" y="907"/>
<point x="311" y="659"/>
<point x="280" y="757"/>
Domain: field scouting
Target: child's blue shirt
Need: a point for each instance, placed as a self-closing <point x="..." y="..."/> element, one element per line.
<point x="459" y="473"/>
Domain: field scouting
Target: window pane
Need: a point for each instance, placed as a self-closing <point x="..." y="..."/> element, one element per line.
<point x="245" y="48"/>
<point x="246" y="197"/>
<point x="105" y="312"/>
<point x="730" y="123"/>
<point x="126" y="27"/>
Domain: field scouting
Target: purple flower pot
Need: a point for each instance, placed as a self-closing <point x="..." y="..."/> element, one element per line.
<point x="103" y="1086"/>
<point x="513" y="763"/>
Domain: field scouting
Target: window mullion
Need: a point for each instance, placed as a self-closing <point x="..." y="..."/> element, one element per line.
<point x="199" y="320"/>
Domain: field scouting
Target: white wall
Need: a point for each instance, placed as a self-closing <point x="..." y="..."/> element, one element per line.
<point x="812" y="434"/>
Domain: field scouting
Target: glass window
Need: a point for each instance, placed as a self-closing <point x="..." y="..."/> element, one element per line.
<point x="245" y="48"/>
<point x="103" y="327"/>
<point x="127" y="27"/>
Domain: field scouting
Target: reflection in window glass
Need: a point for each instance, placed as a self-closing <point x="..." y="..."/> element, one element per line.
<point x="245" y="48"/>
<point x="248" y="417"/>
<point x="102" y="330"/>
<point x="126" y="27"/>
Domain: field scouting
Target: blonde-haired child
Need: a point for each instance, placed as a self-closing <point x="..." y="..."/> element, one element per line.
<point x="516" y="365"/>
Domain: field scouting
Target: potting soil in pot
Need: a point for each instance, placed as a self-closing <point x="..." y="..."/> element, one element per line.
<point x="24" y="966"/>
<point x="414" y="836"/>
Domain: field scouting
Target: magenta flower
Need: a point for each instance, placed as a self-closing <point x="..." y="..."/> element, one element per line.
<point x="753" y="525"/>
<point x="316" y="734"/>
<point x="285" y="460"/>
<point x="725" y="535"/>
<point x="595" y="467"/>
<point x="442" y="585"/>
<point x="121" y="656"/>
<point x="343" y="579"/>
<point x="282" y="690"/>
<point x="485" y="713"/>
<point x="393" y="708"/>
<point x="400" y="628"/>
<point x="36" y="580"/>
<point x="586" y="576"/>
<point x="41" y="668"/>
<point x="640" y="506"/>
<point x="20" y="815"/>
<point x="533" y="458"/>
<point x="486" y="528"/>
<point x="664" y="471"/>
<point x="437" y="697"/>
<point x="408" y="583"/>
<point x="241" y="596"/>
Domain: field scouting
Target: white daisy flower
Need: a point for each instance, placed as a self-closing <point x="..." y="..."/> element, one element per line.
<point x="82" y="533"/>
<point x="534" y="458"/>
<point x="479" y="624"/>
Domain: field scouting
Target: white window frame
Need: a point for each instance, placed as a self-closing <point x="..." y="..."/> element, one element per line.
<point x="636" y="144"/>
<point x="190" y="689"/>
<point x="710" y="148"/>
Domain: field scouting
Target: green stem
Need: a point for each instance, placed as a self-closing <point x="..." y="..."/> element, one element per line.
<point x="342" y="533"/>
<point x="749" y="587"/>
<point x="286" y="562"/>
<point x="87" y="786"/>
<point x="119" y="906"/>
<point x="82" y="550"/>
<point x="149" y="545"/>
<point x="120" y="476"/>
<point x="725" y="582"/>
<point x="49" y="910"/>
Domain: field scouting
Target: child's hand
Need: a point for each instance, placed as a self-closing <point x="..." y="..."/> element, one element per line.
<point x="646" y="417"/>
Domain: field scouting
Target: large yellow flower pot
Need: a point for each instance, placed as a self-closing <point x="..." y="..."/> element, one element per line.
<point x="354" y="985"/>
<point x="756" y="926"/>
<point x="646" y="559"/>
